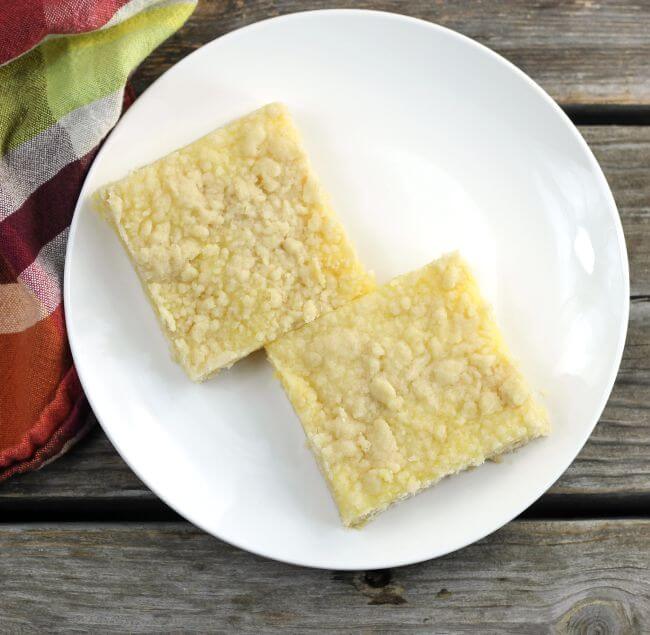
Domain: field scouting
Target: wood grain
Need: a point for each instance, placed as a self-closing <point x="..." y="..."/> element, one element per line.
<point x="624" y="155"/>
<point x="529" y="577"/>
<point x="616" y="460"/>
<point x="581" y="52"/>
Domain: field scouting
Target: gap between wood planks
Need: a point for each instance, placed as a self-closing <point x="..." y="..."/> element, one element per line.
<point x="549" y="507"/>
<point x="607" y="114"/>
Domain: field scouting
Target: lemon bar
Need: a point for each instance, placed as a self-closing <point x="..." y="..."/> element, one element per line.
<point x="404" y="386"/>
<point x="234" y="240"/>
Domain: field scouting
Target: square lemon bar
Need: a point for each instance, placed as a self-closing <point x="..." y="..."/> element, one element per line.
<point x="404" y="386"/>
<point x="234" y="240"/>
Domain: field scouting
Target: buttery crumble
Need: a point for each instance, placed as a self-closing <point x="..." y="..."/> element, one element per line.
<point x="234" y="240"/>
<point x="404" y="386"/>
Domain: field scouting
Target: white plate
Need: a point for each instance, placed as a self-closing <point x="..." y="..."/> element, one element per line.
<point x="427" y="142"/>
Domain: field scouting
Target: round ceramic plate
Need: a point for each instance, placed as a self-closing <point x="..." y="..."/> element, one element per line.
<point x="427" y="142"/>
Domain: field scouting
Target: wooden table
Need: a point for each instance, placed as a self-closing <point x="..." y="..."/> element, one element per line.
<point x="85" y="545"/>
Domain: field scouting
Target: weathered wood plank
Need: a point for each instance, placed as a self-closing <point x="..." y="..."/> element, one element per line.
<point x="91" y="471"/>
<point x="624" y="155"/>
<point x="615" y="461"/>
<point x="581" y="52"/>
<point x="529" y="577"/>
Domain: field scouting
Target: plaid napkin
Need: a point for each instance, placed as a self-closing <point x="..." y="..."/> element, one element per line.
<point x="63" y="69"/>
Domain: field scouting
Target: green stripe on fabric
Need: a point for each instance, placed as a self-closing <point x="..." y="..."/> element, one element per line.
<point x="23" y="101"/>
<point x="65" y="73"/>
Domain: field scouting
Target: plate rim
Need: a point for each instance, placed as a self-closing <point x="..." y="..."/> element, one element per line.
<point x="432" y="552"/>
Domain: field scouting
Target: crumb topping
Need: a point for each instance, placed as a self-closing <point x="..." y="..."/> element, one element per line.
<point x="234" y="240"/>
<point x="404" y="386"/>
